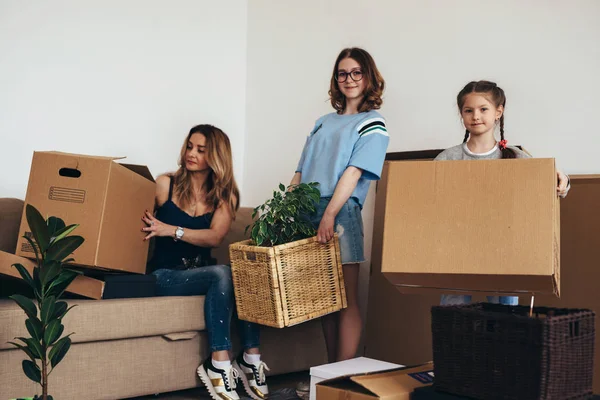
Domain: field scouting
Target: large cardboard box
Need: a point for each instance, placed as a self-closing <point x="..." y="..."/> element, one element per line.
<point x="391" y="385"/>
<point x="354" y="366"/>
<point x="474" y="226"/>
<point x="107" y="199"/>
<point x="580" y="274"/>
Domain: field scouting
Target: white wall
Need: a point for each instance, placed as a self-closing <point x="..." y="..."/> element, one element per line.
<point x="545" y="54"/>
<point x="119" y="78"/>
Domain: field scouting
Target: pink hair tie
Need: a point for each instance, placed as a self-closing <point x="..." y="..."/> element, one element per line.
<point x="502" y="144"/>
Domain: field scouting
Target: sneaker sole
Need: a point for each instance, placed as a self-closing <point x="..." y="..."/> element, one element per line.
<point x="207" y="383"/>
<point x="247" y="387"/>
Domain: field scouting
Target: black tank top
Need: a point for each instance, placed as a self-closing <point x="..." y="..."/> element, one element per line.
<point x="177" y="254"/>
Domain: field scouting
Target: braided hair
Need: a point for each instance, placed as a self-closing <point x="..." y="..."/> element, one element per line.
<point x="497" y="97"/>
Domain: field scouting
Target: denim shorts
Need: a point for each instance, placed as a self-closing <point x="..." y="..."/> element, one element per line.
<point x="349" y="228"/>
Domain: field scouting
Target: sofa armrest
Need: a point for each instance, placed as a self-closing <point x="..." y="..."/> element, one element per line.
<point x="11" y="211"/>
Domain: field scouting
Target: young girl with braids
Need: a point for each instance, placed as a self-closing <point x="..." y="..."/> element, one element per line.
<point x="481" y="105"/>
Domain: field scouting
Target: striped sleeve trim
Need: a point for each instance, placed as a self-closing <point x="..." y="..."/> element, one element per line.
<point x="372" y="125"/>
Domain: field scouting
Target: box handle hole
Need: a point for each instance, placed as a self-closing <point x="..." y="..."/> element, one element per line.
<point x="69" y="172"/>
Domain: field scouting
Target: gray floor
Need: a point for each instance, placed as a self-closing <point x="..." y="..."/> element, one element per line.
<point x="282" y="387"/>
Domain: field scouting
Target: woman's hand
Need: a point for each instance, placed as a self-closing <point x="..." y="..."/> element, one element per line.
<point x="325" y="231"/>
<point x="563" y="184"/>
<point x="156" y="227"/>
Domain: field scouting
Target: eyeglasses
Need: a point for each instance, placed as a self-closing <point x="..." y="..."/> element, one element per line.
<point x="342" y="76"/>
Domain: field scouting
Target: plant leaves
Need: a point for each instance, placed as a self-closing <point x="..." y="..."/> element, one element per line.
<point x="61" y="249"/>
<point x="59" y="350"/>
<point x="64" y="232"/>
<point x="25" y="350"/>
<point x="48" y="271"/>
<point x="61" y="283"/>
<point x="281" y="187"/>
<point x="24" y="274"/>
<point x="35" y="248"/>
<point x="53" y="332"/>
<point x="55" y="224"/>
<point x="35" y="347"/>
<point x="38" y="227"/>
<point x="34" y="327"/>
<point x="26" y="304"/>
<point x="47" y="309"/>
<point x="59" y="309"/>
<point x="32" y="371"/>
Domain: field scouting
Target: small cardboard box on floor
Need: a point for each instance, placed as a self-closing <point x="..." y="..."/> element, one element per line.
<point x="105" y="198"/>
<point x="397" y="384"/>
<point x="475" y="226"/>
<point x="353" y="366"/>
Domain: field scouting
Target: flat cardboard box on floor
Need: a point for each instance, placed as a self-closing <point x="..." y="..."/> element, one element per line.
<point x="353" y="366"/>
<point x="474" y="226"/>
<point x="580" y="274"/>
<point x="105" y="198"/>
<point x="396" y="384"/>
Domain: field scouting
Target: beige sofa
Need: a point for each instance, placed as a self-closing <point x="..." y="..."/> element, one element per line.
<point x="131" y="347"/>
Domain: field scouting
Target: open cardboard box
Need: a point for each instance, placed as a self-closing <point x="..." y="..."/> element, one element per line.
<point x="489" y="226"/>
<point x="397" y="384"/>
<point x="105" y="198"/>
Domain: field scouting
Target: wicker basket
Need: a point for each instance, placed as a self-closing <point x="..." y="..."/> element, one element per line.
<point x="493" y="351"/>
<point x="287" y="284"/>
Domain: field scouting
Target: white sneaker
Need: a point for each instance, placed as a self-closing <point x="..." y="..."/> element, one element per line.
<point x="253" y="377"/>
<point x="220" y="383"/>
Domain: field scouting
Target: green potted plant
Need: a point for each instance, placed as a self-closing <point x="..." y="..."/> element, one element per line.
<point x="282" y="275"/>
<point x="284" y="217"/>
<point x="46" y="347"/>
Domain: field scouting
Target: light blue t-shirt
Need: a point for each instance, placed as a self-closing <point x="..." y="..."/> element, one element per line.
<point x="339" y="141"/>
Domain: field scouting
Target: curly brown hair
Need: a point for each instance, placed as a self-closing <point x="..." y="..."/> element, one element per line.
<point x="374" y="81"/>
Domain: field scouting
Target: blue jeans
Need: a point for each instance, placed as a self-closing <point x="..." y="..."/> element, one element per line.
<point x="457" y="299"/>
<point x="216" y="284"/>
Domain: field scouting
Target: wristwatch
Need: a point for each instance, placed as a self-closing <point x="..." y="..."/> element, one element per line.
<point x="178" y="233"/>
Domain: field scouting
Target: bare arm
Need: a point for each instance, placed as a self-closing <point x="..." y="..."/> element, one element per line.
<point x="211" y="237"/>
<point x="296" y="179"/>
<point x="342" y="193"/>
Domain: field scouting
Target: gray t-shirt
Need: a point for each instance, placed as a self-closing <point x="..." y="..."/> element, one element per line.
<point x="462" y="152"/>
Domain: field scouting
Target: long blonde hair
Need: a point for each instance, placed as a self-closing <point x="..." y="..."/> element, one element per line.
<point x="220" y="186"/>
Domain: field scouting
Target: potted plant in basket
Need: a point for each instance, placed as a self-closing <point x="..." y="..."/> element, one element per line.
<point x="282" y="275"/>
<point x="45" y="347"/>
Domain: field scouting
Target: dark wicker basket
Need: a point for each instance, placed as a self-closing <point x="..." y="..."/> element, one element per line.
<point x="494" y="351"/>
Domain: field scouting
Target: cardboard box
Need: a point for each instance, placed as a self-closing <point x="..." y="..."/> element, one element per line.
<point x="359" y="365"/>
<point x="105" y="198"/>
<point x="474" y="226"/>
<point x="391" y="385"/>
<point x="94" y="284"/>
<point x="82" y="285"/>
<point x="580" y="252"/>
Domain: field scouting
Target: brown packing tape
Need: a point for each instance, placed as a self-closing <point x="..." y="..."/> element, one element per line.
<point x="82" y="285"/>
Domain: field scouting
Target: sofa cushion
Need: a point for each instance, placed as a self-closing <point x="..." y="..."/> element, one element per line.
<point x="93" y="320"/>
<point x="113" y="369"/>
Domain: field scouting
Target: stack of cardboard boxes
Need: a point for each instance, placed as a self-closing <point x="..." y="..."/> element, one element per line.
<point x="107" y="200"/>
<point x="476" y="227"/>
